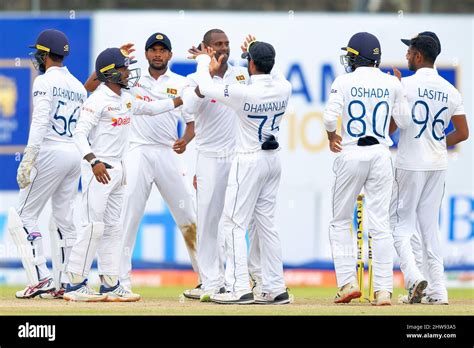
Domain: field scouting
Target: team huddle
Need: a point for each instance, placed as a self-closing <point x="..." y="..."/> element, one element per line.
<point x="122" y="139"/>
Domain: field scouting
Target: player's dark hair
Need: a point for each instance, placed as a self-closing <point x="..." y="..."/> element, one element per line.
<point x="55" y="57"/>
<point x="207" y="36"/>
<point x="264" y="67"/>
<point x="427" y="46"/>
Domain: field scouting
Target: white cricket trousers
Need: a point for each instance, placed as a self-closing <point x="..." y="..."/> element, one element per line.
<point x="101" y="231"/>
<point x="417" y="197"/>
<point x="211" y="174"/>
<point x="251" y="193"/>
<point x="159" y="165"/>
<point x="56" y="176"/>
<point x="358" y="168"/>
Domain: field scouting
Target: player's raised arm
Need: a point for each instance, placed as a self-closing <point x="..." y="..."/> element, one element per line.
<point x="192" y="98"/>
<point x="231" y="95"/>
<point x="156" y="107"/>
<point x="93" y="82"/>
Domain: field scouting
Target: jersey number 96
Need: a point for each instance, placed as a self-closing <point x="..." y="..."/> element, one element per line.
<point x="424" y="121"/>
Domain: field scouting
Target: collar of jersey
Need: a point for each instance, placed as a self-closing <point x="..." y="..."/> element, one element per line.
<point x="260" y="77"/>
<point x="56" y="68"/>
<point x="426" y="71"/>
<point x="168" y="73"/>
<point x="230" y="70"/>
<point x="102" y="87"/>
<point x="367" y="68"/>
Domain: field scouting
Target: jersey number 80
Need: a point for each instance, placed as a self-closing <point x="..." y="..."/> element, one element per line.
<point x="360" y="119"/>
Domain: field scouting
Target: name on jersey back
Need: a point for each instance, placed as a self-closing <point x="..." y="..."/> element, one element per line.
<point x="69" y="95"/>
<point x="265" y="107"/>
<point x="433" y="95"/>
<point x="362" y="92"/>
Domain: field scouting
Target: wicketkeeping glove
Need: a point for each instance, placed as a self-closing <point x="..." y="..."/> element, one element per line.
<point x="24" y="170"/>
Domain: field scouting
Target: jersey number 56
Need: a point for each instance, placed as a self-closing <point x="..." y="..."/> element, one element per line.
<point x="66" y="126"/>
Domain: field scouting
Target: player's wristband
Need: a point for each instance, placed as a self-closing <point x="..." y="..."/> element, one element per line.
<point x="93" y="162"/>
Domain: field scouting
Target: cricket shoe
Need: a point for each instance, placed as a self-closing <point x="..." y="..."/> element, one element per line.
<point x="415" y="292"/>
<point x="53" y="294"/>
<point x="42" y="287"/>
<point x="257" y="289"/>
<point x="195" y="293"/>
<point x="206" y="295"/>
<point x="347" y="293"/>
<point x="433" y="301"/>
<point x="118" y="293"/>
<point x="272" y="298"/>
<point x="403" y="299"/>
<point x="237" y="297"/>
<point x="382" y="298"/>
<point x="82" y="293"/>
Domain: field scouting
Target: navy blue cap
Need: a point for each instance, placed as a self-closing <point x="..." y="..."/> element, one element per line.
<point x="425" y="33"/>
<point x="158" y="38"/>
<point x="365" y="45"/>
<point x="54" y="41"/>
<point x="260" y="51"/>
<point x="112" y="58"/>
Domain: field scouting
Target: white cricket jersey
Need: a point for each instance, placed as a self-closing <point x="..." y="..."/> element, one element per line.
<point x="57" y="99"/>
<point x="158" y="130"/>
<point x="433" y="101"/>
<point x="259" y="105"/>
<point x="105" y="122"/>
<point x="215" y="122"/>
<point x="366" y="98"/>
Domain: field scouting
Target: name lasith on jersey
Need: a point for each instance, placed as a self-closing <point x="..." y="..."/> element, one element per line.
<point x="433" y="95"/>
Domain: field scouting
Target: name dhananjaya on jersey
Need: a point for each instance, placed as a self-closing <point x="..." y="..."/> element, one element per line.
<point x="434" y="95"/>
<point x="362" y="92"/>
<point x="69" y="95"/>
<point x="265" y="107"/>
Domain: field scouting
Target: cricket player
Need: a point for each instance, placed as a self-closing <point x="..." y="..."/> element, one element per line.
<point x="102" y="139"/>
<point x="366" y="98"/>
<point x="420" y="168"/>
<point x="215" y="143"/>
<point x="153" y="154"/>
<point x="416" y="243"/>
<point x="255" y="172"/>
<point x="50" y="167"/>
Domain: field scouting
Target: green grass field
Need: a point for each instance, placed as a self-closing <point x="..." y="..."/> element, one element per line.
<point x="167" y="301"/>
